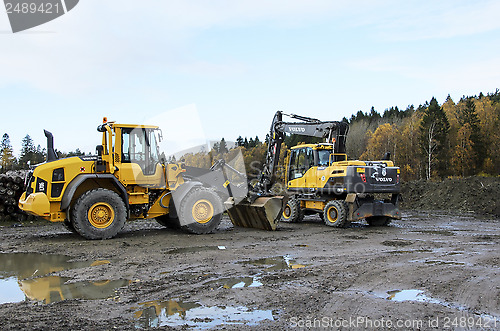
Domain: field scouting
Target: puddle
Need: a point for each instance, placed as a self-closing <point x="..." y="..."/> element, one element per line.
<point x="276" y="263"/>
<point x="23" y="276"/>
<point x="10" y="291"/>
<point x="356" y="237"/>
<point x="53" y="288"/>
<point x="192" y="314"/>
<point x="183" y="250"/>
<point x="419" y="296"/>
<point x="397" y="242"/>
<point x="438" y="232"/>
<point x="409" y="295"/>
<point x="24" y="265"/>
<point x="442" y="262"/>
<point x="237" y="282"/>
<point x="424" y="250"/>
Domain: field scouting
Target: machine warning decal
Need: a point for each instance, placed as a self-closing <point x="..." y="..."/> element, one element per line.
<point x="82" y="169"/>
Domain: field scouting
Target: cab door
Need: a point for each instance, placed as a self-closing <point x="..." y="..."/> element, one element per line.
<point x="300" y="169"/>
<point x="140" y="158"/>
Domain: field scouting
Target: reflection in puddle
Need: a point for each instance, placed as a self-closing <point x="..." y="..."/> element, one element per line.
<point x="410" y="295"/>
<point x="10" y="291"/>
<point x="277" y="263"/>
<point x="238" y="282"/>
<point x="53" y="288"/>
<point x="21" y="277"/>
<point x="24" y="265"/>
<point x="192" y="314"/>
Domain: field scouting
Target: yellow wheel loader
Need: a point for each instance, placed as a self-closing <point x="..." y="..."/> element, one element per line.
<point x="128" y="179"/>
<point x="320" y="179"/>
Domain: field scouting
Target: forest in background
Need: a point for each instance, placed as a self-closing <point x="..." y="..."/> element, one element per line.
<point x="431" y="141"/>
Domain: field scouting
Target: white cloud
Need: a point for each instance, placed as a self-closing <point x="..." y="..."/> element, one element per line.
<point x="418" y="20"/>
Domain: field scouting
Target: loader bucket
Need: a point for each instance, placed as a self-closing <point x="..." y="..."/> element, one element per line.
<point x="263" y="214"/>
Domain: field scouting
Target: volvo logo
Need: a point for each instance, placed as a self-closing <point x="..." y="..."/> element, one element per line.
<point x="297" y="129"/>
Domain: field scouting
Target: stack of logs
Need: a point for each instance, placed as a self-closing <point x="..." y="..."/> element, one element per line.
<point x="11" y="188"/>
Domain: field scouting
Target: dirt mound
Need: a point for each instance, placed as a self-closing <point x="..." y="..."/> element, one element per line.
<point x="477" y="194"/>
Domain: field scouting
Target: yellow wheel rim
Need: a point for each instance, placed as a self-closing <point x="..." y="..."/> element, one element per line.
<point x="287" y="212"/>
<point x="101" y="215"/>
<point x="332" y="214"/>
<point x="202" y="211"/>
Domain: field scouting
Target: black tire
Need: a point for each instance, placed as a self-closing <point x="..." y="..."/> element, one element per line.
<point x="98" y="214"/>
<point x="169" y="222"/>
<point x="335" y="213"/>
<point x="201" y="211"/>
<point x="69" y="226"/>
<point x="292" y="212"/>
<point x="378" y="220"/>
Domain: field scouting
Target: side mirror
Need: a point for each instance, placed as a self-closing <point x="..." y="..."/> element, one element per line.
<point x="99" y="149"/>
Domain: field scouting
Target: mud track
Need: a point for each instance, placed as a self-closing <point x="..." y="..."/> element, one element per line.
<point x="430" y="267"/>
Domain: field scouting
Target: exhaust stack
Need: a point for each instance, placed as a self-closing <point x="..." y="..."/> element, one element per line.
<point x="51" y="154"/>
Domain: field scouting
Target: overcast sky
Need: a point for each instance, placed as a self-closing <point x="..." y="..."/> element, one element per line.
<point x="237" y="63"/>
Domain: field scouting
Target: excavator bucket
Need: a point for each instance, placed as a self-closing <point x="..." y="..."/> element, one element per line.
<point x="264" y="213"/>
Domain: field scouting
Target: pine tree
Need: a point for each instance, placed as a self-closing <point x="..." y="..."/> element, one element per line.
<point x="223" y="146"/>
<point x="28" y="152"/>
<point x="239" y="141"/>
<point x="7" y="158"/>
<point x="468" y="115"/>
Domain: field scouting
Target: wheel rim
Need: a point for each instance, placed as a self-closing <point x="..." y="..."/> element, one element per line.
<point x="203" y="211"/>
<point x="101" y="215"/>
<point x="287" y="212"/>
<point x="332" y="214"/>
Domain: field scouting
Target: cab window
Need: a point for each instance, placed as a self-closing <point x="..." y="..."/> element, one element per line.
<point x="301" y="160"/>
<point x="140" y="146"/>
<point x="324" y="157"/>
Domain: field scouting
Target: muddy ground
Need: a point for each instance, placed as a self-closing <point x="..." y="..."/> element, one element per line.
<point x="430" y="270"/>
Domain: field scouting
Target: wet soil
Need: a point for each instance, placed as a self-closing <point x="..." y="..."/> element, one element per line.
<point x="431" y="268"/>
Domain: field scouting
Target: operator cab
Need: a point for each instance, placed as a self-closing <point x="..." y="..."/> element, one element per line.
<point x="132" y="153"/>
<point x="304" y="157"/>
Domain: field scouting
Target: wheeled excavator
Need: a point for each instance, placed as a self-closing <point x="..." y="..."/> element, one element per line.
<point x="319" y="179"/>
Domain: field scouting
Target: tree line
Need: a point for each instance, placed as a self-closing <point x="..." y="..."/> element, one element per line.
<point x="29" y="154"/>
<point x="433" y="141"/>
<point x="430" y="141"/>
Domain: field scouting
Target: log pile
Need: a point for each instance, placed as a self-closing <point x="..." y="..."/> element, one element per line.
<point x="11" y="188"/>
